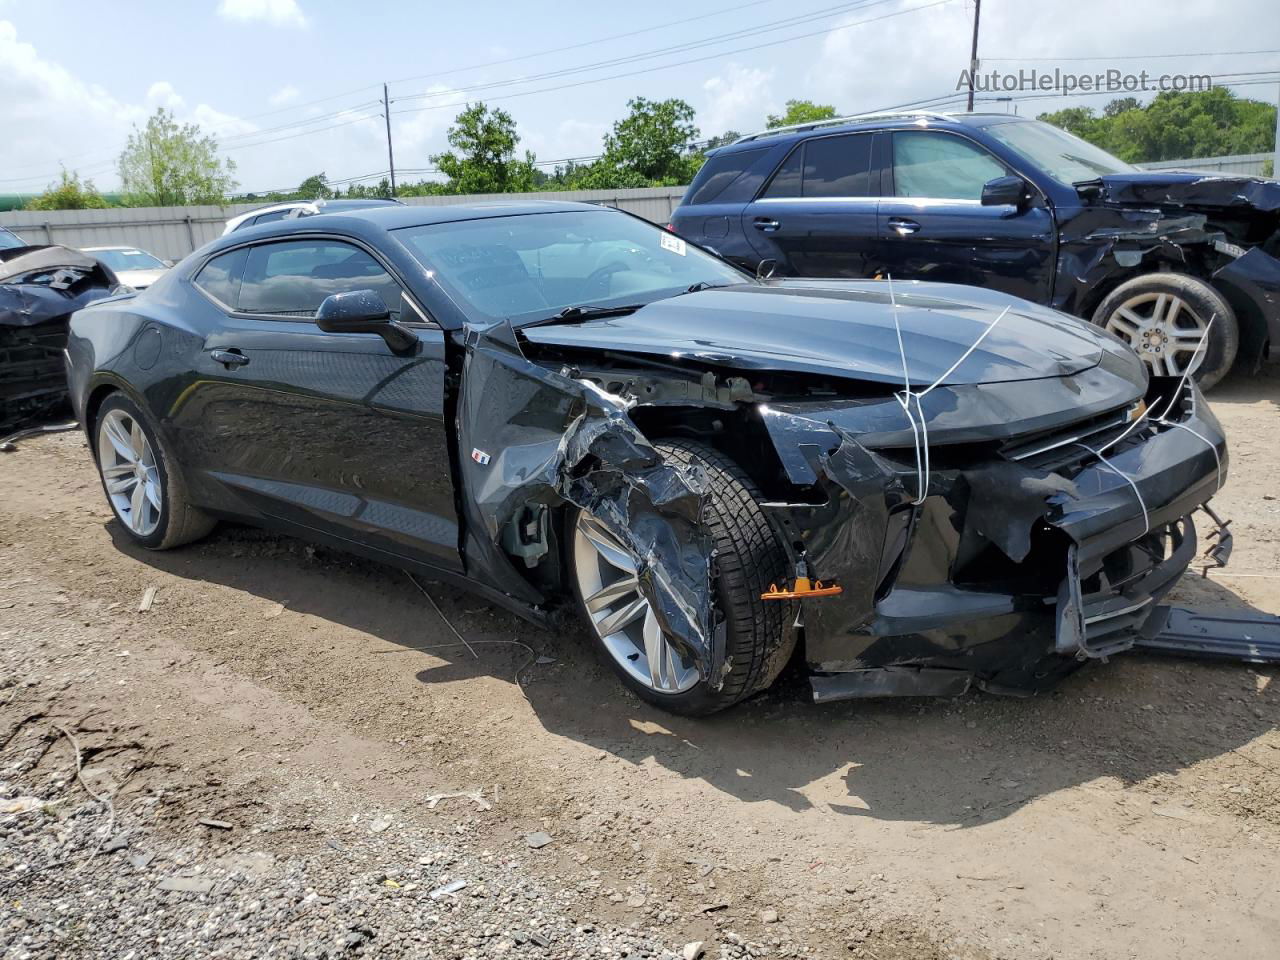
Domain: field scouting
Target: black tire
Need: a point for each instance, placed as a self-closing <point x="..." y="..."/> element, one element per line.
<point x="1200" y="298"/>
<point x="759" y="633"/>
<point x="179" y="522"/>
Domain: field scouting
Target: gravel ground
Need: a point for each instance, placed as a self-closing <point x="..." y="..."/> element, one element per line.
<point x="316" y="710"/>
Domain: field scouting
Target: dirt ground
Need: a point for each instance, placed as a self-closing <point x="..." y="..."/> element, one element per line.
<point x="1133" y="812"/>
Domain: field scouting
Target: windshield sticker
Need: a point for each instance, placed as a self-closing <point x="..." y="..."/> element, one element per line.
<point x="673" y="243"/>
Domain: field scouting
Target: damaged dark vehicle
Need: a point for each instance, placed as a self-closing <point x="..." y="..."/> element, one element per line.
<point x="564" y="408"/>
<point x="40" y="287"/>
<point x="1157" y="257"/>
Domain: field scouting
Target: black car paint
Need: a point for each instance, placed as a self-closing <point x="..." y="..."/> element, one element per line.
<point x="338" y="438"/>
<point x="1066" y="246"/>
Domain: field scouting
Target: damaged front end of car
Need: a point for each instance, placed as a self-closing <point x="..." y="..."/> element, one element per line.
<point x="1224" y="230"/>
<point x="40" y="287"/>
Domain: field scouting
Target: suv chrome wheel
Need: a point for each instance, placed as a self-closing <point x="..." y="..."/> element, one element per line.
<point x="620" y="615"/>
<point x="1163" y="329"/>
<point x="129" y="472"/>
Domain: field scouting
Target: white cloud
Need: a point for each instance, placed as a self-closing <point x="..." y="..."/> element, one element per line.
<point x="286" y="94"/>
<point x="162" y="94"/>
<point x="52" y="117"/>
<point x="738" y="99"/>
<point x="279" y="13"/>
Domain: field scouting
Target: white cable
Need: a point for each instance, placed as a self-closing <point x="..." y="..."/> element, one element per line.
<point x="920" y="431"/>
<point x="1146" y="518"/>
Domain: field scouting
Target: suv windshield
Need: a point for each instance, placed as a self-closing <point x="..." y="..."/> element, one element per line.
<point x="531" y="266"/>
<point x="1060" y="154"/>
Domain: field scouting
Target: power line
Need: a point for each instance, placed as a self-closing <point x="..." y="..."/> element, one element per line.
<point x="738" y="8"/>
<point x="1128" y="56"/>
<point x="681" y="63"/>
<point x="651" y="54"/>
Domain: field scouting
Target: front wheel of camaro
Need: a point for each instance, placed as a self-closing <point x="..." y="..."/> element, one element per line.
<point x="758" y="633"/>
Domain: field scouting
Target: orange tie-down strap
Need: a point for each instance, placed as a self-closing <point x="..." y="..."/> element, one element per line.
<point x="804" y="589"/>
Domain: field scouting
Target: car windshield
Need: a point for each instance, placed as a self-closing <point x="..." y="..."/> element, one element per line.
<point x="530" y="267"/>
<point x="9" y="240"/>
<point x="119" y="260"/>
<point x="1063" y="156"/>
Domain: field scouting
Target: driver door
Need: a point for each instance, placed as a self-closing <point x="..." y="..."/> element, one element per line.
<point x="330" y="433"/>
<point x="933" y="225"/>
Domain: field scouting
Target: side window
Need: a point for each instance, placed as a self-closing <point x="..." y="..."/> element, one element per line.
<point x="786" y="182"/>
<point x="941" y="166"/>
<point x="220" y="277"/>
<point x="292" y="278"/>
<point x="838" y="167"/>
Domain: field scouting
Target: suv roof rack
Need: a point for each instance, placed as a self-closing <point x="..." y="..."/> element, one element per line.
<point x="853" y="118"/>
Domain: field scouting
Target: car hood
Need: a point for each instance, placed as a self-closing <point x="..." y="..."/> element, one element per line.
<point x="1187" y="188"/>
<point x="846" y="329"/>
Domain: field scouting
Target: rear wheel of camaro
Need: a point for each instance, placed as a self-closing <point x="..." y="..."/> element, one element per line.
<point x="1163" y="316"/>
<point x="758" y="633"/>
<point x="143" y="486"/>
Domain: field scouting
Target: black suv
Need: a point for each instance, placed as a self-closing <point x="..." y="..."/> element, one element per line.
<point x="1017" y="205"/>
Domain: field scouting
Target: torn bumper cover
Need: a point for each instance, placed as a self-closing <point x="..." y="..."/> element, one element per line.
<point x="1035" y="550"/>
<point x="531" y="439"/>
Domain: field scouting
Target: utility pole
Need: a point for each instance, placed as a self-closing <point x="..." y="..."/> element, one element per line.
<point x="391" y="159"/>
<point x="1275" y="154"/>
<point x="973" y="53"/>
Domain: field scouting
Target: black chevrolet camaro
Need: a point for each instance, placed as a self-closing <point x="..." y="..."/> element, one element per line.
<point x="560" y="407"/>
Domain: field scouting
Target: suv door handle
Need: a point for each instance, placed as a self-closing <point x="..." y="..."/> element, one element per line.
<point x="765" y="224"/>
<point x="902" y="226"/>
<point x="231" y="358"/>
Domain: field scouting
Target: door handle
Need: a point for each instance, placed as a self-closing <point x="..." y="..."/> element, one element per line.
<point x="765" y="224"/>
<point x="231" y="358"/>
<point x="902" y="226"/>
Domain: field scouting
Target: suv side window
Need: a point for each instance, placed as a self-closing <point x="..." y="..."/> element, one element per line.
<point x="827" y="167"/>
<point x="941" y="166"/>
<point x="292" y="278"/>
<point x="220" y="277"/>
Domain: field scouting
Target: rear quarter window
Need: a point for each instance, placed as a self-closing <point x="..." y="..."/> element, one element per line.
<point x="722" y="170"/>
<point x="220" y="277"/>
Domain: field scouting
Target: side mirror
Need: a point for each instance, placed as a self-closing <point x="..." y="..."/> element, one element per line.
<point x="363" y="311"/>
<point x="1008" y="191"/>
<point x="168" y="263"/>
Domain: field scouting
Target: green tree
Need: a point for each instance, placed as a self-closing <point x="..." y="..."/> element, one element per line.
<point x="801" y="111"/>
<point x="315" y="187"/>
<point x="169" y="164"/>
<point x="649" y="146"/>
<point x="729" y="136"/>
<point x="69" y="193"/>
<point x="1175" y="126"/>
<point x="485" y="159"/>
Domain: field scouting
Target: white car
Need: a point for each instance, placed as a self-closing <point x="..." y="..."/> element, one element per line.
<point x="291" y="209"/>
<point x="132" y="267"/>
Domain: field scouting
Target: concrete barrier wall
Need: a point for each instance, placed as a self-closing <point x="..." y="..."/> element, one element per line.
<point x="173" y="232"/>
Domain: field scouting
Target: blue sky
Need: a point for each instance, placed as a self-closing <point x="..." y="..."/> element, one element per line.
<point x="75" y="77"/>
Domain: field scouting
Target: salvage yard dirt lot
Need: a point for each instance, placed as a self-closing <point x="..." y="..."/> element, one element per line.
<point x="304" y="700"/>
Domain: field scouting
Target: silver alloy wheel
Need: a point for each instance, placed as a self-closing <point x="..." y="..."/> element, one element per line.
<point x="621" y="616"/>
<point x="129" y="472"/>
<point x="1162" y="328"/>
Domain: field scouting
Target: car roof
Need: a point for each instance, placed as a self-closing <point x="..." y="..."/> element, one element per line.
<point x="403" y="215"/>
<point x="865" y="122"/>
<point x="121" y="247"/>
